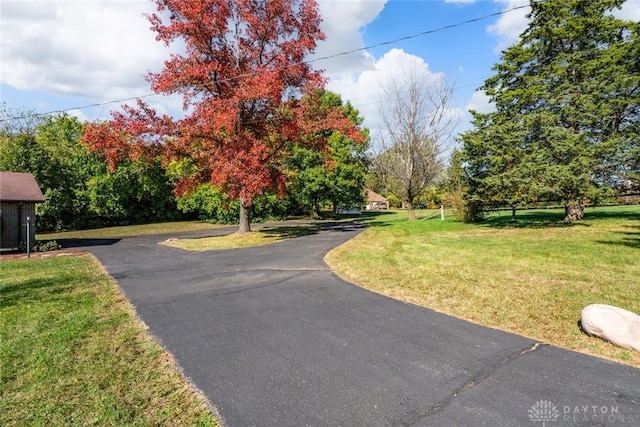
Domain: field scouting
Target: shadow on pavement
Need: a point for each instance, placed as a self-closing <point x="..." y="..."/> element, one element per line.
<point x="83" y="243"/>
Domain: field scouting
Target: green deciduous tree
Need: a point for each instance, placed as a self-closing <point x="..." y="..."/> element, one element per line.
<point x="49" y="148"/>
<point x="79" y="190"/>
<point x="309" y="178"/>
<point x="212" y="205"/>
<point x="64" y="178"/>
<point x="334" y="174"/>
<point x="567" y="104"/>
<point x="347" y="166"/>
<point x="137" y="192"/>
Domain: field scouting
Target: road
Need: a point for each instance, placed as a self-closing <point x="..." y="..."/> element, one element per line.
<point x="274" y="338"/>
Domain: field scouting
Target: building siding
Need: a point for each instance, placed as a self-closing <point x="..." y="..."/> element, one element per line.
<point x="13" y="219"/>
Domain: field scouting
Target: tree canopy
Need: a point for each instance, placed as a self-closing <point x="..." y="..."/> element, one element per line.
<point x="567" y="107"/>
<point x="334" y="175"/>
<point x="417" y="126"/>
<point x="79" y="191"/>
<point x="242" y="78"/>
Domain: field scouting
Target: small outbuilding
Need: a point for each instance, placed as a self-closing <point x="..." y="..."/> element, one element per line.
<point x="19" y="193"/>
<point x="375" y="201"/>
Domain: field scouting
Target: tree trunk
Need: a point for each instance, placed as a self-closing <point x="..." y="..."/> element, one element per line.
<point x="245" y="225"/>
<point x="412" y="211"/>
<point x="513" y="214"/>
<point x="316" y="210"/>
<point x="574" y="210"/>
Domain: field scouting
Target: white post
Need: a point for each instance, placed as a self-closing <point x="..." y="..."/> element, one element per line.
<point x="442" y="212"/>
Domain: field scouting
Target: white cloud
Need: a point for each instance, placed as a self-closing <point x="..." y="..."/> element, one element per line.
<point x="511" y="24"/>
<point x="480" y="103"/>
<point x="342" y="23"/>
<point x="366" y="91"/>
<point x="89" y="49"/>
<point x="99" y="50"/>
<point x="341" y="16"/>
<point x="630" y="11"/>
<point x="79" y="114"/>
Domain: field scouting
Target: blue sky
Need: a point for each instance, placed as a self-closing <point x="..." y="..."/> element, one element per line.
<point x="468" y="45"/>
<point x="62" y="54"/>
<point x="465" y="53"/>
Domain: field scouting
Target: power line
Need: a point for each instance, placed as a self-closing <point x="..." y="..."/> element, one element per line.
<point x="83" y="107"/>
<point x="99" y="104"/>
<point x="349" y="52"/>
<point x="423" y="33"/>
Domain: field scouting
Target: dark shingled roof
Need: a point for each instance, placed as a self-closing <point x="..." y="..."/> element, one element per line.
<point x="19" y="187"/>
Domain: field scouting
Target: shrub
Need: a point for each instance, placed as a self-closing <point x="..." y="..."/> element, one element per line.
<point x="464" y="210"/>
<point x="36" y="246"/>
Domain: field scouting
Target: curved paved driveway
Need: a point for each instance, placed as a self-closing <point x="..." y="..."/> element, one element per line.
<point x="274" y="338"/>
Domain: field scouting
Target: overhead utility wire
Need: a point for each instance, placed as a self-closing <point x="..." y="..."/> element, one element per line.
<point x="335" y="55"/>
<point x="423" y="33"/>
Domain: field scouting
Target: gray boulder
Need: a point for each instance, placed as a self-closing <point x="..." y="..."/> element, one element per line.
<point x="616" y="325"/>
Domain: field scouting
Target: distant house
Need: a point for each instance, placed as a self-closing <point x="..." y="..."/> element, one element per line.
<point x="19" y="194"/>
<point x="375" y="201"/>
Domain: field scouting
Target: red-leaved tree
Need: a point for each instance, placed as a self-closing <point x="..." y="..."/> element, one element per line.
<point x="247" y="96"/>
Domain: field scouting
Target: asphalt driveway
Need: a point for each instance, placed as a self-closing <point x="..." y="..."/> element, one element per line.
<point x="274" y="338"/>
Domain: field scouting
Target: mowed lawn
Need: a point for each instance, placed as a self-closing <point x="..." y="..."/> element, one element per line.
<point x="130" y="230"/>
<point x="72" y="352"/>
<point x="532" y="276"/>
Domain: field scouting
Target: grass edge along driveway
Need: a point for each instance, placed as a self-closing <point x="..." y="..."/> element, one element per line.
<point x="73" y="352"/>
<point x="531" y="277"/>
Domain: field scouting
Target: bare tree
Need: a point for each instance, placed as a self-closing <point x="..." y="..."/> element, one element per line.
<point x="17" y="120"/>
<point x="418" y="122"/>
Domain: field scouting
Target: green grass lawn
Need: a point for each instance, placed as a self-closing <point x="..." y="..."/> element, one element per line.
<point x="130" y="231"/>
<point x="260" y="237"/>
<point x="531" y="276"/>
<point x="72" y="352"/>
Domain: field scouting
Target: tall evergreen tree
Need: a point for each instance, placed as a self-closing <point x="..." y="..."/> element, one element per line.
<point x="567" y="102"/>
